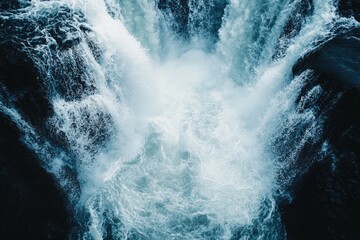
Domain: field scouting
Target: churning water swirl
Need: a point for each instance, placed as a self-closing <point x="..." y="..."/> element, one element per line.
<point x="167" y="116"/>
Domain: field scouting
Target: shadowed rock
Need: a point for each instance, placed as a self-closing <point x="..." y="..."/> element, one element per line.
<point x="326" y="202"/>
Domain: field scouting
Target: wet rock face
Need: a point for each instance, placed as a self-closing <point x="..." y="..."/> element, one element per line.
<point x="13" y="4"/>
<point x="180" y="12"/>
<point x="326" y="205"/>
<point x="20" y="80"/>
<point x="32" y="207"/>
<point x="293" y="24"/>
<point x="186" y="24"/>
<point x="338" y="58"/>
<point x="349" y="8"/>
<point x="326" y="202"/>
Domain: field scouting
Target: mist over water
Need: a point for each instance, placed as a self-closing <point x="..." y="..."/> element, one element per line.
<point x="166" y="115"/>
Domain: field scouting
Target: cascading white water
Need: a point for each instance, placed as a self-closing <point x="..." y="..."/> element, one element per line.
<point x="172" y="143"/>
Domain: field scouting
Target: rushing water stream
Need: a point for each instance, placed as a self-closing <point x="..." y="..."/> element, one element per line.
<point x="167" y="117"/>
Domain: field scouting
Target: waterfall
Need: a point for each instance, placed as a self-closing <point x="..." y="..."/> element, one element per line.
<point x="172" y="119"/>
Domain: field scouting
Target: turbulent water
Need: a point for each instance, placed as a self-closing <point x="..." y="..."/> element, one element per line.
<point x="173" y="119"/>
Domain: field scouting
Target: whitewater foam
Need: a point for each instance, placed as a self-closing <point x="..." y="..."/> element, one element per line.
<point x="174" y="142"/>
